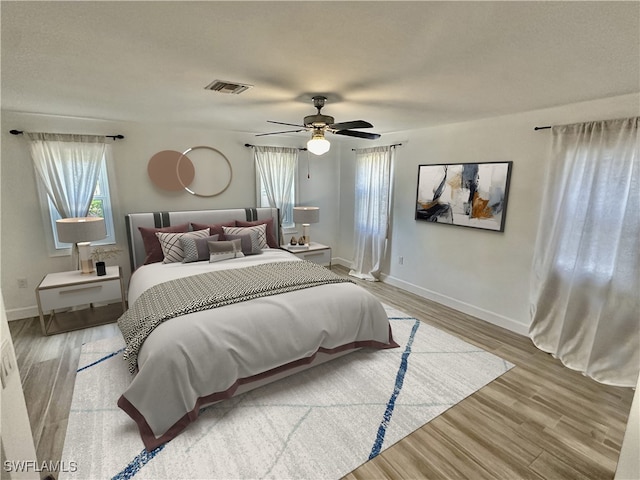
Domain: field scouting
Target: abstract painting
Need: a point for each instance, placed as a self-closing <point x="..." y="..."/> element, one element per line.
<point x="465" y="194"/>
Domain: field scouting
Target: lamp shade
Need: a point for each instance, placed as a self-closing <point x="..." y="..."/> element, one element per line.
<point x="81" y="229"/>
<point x="318" y="145"/>
<point x="306" y="214"/>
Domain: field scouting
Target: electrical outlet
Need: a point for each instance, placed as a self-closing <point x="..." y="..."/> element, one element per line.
<point x="22" y="283"/>
<point x="401" y="260"/>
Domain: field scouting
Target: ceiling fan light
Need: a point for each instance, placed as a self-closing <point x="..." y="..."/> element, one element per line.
<point x="318" y="145"/>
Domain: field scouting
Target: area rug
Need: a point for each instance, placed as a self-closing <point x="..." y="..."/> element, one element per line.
<point x="318" y="424"/>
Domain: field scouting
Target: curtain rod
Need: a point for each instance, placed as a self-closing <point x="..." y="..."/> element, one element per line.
<point x="302" y="149"/>
<point x="394" y="145"/>
<point x="542" y="128"/>
<point x="115" y="137"/>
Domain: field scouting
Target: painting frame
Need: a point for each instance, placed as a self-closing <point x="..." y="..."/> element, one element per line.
<point x="472" y="195"/>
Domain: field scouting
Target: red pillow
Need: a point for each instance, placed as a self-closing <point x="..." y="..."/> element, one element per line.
<point x="151" y="243"/>
<point x="215" y="229"/>
<point x="271" y="238"/>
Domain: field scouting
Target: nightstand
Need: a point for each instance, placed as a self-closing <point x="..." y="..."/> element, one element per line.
<point x="316" y="253"/>
<point x="63" y="290"/>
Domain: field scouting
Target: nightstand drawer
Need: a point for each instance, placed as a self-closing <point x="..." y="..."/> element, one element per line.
<point x="321" y="257"/>
<point x="72" y="295"/>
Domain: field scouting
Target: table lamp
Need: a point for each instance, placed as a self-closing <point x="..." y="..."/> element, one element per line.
<point x="306" y="216"/>
<point x="81" y="231"/>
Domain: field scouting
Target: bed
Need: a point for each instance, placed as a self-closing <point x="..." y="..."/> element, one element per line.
<point x="202" y="330"/>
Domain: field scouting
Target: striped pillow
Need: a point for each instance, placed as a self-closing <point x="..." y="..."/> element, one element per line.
<point x="260" y="238"/>
<point x="171" y="247"/>
<point x="249" y="241"/>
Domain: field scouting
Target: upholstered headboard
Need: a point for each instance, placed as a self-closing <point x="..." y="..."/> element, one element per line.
<point x="165" y="219"/>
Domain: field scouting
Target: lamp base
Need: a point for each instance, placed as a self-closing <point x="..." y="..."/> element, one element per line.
<point x="86" y="267"/>
<point x="305" y="234"/>
<point x="84" y="255"/>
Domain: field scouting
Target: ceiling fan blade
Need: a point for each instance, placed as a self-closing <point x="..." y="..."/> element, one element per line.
<point x="350" y="125"/>
<point x="290" y="124"/>
<point x="355" y="133"/>
<point x="276" y="133"/>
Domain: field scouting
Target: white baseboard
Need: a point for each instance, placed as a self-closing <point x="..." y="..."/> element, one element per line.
<point x="20" y="313"/>
<point x="341" y="261"/>
<point x="482" y="314"/>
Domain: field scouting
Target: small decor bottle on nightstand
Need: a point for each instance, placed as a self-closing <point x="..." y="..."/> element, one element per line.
<point x="101" y="269"/>
<point x="100" y="254"/>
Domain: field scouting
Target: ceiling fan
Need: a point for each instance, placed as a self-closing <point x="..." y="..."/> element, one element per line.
<point x="318" y="124"/>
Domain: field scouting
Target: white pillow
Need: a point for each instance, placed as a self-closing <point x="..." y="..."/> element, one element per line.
<point x="171" y="247"/>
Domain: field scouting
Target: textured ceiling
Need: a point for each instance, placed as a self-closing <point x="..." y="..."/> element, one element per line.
<point x="399" y="65"/>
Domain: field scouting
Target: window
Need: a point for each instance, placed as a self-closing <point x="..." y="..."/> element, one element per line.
<point x="372" y="203"/>
<point x="286" y="211"/>
<point x="72" y="181"/>
<point x="100" y="207"/>
<point x="276" y="185"/>
<point x="585" y="283"/>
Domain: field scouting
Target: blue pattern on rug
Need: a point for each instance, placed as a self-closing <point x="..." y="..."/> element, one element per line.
<point x="137" y="463"/>
<point x="140" y="464"/>
<point x="402" y="370"/>
<point x="101" y="360"/>
<point x="144" y="457"/>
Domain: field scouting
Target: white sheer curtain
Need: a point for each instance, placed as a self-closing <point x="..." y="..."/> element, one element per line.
<point x="372" y="206"/>
<point x="277" y="168"/>
<point x="68" y="166"/>
<point x="586" y="274"/>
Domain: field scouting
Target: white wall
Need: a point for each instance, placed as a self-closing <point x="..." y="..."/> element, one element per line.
<point x="16" y="443"/>
<point x="22" y="241"/>
<point x="483" y="273"/>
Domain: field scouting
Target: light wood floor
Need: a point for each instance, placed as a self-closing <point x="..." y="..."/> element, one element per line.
<point x="539" y="420"/>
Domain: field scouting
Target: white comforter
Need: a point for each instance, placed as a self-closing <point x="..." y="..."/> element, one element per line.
<point x="195" y="359"/>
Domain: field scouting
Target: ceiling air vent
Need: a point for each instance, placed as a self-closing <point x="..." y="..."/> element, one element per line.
<point x="227" y="87"/>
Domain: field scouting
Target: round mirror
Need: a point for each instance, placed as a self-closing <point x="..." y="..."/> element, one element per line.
<point x="213" y="171"/>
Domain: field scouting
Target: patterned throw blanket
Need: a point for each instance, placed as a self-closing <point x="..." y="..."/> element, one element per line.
<point x="211" y="290"/>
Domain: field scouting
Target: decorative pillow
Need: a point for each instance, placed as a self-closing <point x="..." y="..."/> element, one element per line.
<point x="196" y="249"/>
<point x="151" y="243"/>
<point x="170" y="243"/>
<point x="271" y="237"/>
<point x="249" y="241"/>
<point x="215" y="228"/>
<point x="224" y="250"/>
<point x="261" y="231"/>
